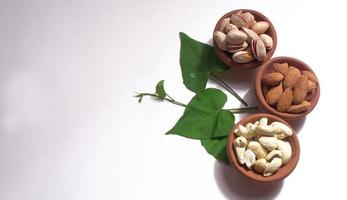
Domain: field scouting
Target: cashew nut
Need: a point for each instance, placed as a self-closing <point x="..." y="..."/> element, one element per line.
<point x="269" y="143"/>
<point x="285" y="131"/>
<point x="260" y="165"/>
<point x="244" y="132"/>
<point x="240" y="144"/>
<point x="272" y="167"/>
<point x="259" y="151"/>
<point x="263" y="121"/>
<point x="267" y="130"/>
<point x="273" y="154"/>
<point x="286" y="150"/>
<point x="249" y="158"/>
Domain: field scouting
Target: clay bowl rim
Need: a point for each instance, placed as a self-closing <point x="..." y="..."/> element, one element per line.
<point x="260" y="96"/>
<point x="284" y="171"/>
<point x="254" y="64"/>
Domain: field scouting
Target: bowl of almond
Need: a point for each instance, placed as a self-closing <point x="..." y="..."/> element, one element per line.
<point x="244" y="38"/>
<point x="287" y="87"/>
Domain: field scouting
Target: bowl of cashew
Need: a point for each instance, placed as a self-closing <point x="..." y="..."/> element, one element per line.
<point x="263" y="147"/>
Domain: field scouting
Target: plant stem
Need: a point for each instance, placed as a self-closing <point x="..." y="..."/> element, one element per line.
<point x="167" y="99"/>
<point x="242" y="110"/>
<point x="171" y="100"/>
<point x="229" y="89"/>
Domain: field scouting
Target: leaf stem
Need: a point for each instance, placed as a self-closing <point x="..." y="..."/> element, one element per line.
<point x="242" y="110"/>
<point x="229" y="89"/>
<point x="171" y="100"/>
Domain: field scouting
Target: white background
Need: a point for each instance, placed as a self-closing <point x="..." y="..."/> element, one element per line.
<point x="70" y="128"/>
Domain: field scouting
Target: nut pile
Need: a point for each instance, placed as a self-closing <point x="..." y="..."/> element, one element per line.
<point x="288" y="89"/>
<point x="262" y="147"/>
<point x="244" y="37"/>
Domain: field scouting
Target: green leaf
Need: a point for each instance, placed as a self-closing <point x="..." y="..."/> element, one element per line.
<point x="204" y="117"/>
<point x="197" y="60"/>
<point x="159" y="89"/>
<point x="217" y="147"/>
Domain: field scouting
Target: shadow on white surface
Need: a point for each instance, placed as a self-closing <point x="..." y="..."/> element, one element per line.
<point x="297" y="124"/>
<point x="234" y="185"/>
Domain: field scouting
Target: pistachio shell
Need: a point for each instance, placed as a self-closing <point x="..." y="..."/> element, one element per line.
<point x="220" y="39"/>
<point x="268" y="42"/>
<point x="236" y="47"/>
<point x="236" y="37"/>
<point x="243" y="57"/>
<point x="238" y="20"/>
<point x="230" y="27"/>
<point x="251" y="35"/>
<point x="225" y="22"/>
<point x="258" y="49"/>
<point x="249" y="18"/>
<point x="260" y="27"/>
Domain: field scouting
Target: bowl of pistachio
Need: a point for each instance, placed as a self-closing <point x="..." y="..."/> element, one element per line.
<point x="244" y="38"/>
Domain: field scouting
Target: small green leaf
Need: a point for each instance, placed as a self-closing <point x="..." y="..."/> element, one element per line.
<point x="159" y="89"/>
<point x="197" y="60"/>
<point x="204" y="117"/>
<point x="217" y="147"/>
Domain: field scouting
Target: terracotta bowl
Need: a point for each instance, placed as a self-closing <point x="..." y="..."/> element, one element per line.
<point x="284" y="171"/>
<point x="226" y="56"/>
<point x="267" y="68"/>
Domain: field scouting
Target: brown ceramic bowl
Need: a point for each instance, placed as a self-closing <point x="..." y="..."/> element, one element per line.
<point x="226" y="56"/>
<point x="267" y="68"/>
<point x="284" y="171"/>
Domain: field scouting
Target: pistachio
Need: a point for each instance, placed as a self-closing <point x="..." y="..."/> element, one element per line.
<point x="272" y="167"/>
<point x="267" y="40"/>
<point x="259" y="151"/>
<point x="249" y="158"/>
<point x="236" y="37"/>
<point x="238" y="20"/>
<point x="251" y="35"/>
<point x="243" y="57"/>
<point x="236" y="47"/>
<point x="230" y="27"/>
<point x="258" y="49"/>
<point x="220" y="37"/>
<point x="225" y="22"/>
<point x="249" y="18"/>
<point x="260" y="27"/>
<point x="260" y="165"/>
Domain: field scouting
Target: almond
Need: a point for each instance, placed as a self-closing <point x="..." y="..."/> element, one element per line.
<point x="273" y="78"/>
<point x="274" y="94"/>
<point x="281" y="68"/>
<point x="300" y="89"/>
<point x="291" y="77"/>
<point x="285" y="101"/>
<point x="303" y="107"/>
<point x="310" y="95"/>
<point x="311" y="86"/>
<point x="265" y="89"/>
<point x="311" y="76"/>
